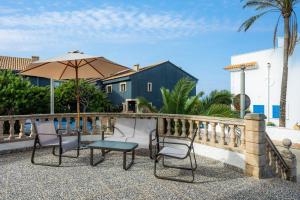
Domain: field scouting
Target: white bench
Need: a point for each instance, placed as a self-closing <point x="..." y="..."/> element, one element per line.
<point x="141" y="131"/>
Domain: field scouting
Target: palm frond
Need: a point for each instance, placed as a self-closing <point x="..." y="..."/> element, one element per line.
<point x="249" y="22"/>
<point x="275" y="32"/>
<point x="219" y="110"/>
<point x="145" y="106"/>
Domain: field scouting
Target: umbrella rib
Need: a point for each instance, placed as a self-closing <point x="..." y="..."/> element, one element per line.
<point x="25" y="70"/>
<point x="63" y="72"/>
<point x="94" y="68"/>
<point x="87" y="63"/>
<point x="69" y="64"/>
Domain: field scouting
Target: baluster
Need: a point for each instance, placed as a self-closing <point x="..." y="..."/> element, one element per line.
<point x="21" y="133"/>
<point x="68" y="126"/>
<point x="168" y="126"/>
<point x="32" y="128"/>
<point x="243" y="142"/>
<point x="213" y="133"/>
<point x="161" y="126"/>
<point x="279" y="168"/>
<point x="198" y="124"/>
<point x="176" y="127"/>
<point x="232" y="136"/>
<point x="273" y="161"/>
<point x="99" y="125"/>
<point x="183" y="128"/>
<point x="77" y="124"/>
<point x="94" y="131"/>
<point x="59" y="122"/>
<point x="1" y="131"/>
<point x="267" y="155"/>
<point x="11" y="129"/>
<point x="205" y="131"/>
<point x="222" y="142"/>
<point x="191" y="129"/>
<point x="108" y="123"/>
<point x="84" y="125"/>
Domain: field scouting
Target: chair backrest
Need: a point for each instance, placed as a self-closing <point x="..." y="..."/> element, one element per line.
<point x="193" y="136"/>
<point x="124" y="127"/>
<point x="144" y="127"/>
<point x="46" y="131"/>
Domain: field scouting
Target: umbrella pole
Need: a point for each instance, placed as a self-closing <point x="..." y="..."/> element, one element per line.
<point x="77" y="99"/>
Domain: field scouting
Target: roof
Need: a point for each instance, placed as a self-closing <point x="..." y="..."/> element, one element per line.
<point x="248" y="65"/>
<point x="131" y="71"/>
<point x="14" y="63"/>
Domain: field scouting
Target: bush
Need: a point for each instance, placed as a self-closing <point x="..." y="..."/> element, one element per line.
<point x="92" y="99"/>
<point x="18" y="96"/>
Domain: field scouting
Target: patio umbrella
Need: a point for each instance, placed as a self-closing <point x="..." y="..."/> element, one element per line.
<point x="73" y="65"/>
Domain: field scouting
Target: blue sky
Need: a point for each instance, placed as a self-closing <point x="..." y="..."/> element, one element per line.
<point x="197" y="35"/>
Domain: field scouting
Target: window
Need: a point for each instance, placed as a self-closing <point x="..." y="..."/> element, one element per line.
<point x="276" y="111"/>
<point x="123" y="87"/>
<point x="260" y="109"/>
<point x="149" y="87"/>
<point x="109" y="89"/>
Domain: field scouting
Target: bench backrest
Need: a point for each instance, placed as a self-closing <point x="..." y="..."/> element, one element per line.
<point x="45" y="131"/>
<point x="144" y="127"/>
<point x="124" y="127"/>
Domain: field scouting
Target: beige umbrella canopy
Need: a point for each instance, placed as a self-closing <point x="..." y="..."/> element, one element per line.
<point x="73" y="65"/>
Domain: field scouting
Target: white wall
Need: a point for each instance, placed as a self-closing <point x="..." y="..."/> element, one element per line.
<point x="257" y="81"/>
<point x="278" y="133"/>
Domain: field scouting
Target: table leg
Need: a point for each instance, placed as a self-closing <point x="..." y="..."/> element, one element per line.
<point x="92" y="158"/>
<point x="126" y="167"/>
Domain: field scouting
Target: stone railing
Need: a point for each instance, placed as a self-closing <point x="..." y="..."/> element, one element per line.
<point x="243" y="136"/>
<point x="212" y="131"/>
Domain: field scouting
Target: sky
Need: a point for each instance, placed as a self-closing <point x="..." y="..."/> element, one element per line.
<point x="198" y="35"/>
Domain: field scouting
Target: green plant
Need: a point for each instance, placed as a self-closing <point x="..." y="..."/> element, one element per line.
<point x="179" y="101"/>
<point x="285" y="8"/>
<point x="270" y="124"/>
<point x="19" y="96"/>
<point x="92" y="99"/>
<point x="145" y="106"/>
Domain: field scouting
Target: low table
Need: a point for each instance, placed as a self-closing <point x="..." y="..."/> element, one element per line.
<point x="113" y="146"/>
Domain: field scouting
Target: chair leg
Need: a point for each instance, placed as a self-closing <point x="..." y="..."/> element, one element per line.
<point x="43" y="164"/>
<point x="192" y="169"/>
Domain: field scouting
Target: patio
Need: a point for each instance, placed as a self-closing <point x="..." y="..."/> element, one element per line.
<point x="76" y="179"/>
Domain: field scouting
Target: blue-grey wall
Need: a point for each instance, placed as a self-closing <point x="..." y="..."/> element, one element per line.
<point x="117" y="97"/>
<point x="165" y="75"/>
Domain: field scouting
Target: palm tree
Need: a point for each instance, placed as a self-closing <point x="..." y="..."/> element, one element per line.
<point x="179" y="101"/>
<point x="285" y="8"/>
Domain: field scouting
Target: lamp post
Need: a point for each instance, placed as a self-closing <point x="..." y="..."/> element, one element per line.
<point x="269" y="68"/>
<point x="51" y="96"/>
<point x="242" y="98"/>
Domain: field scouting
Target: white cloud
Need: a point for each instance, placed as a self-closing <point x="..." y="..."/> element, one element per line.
<point x="108" y="24"/>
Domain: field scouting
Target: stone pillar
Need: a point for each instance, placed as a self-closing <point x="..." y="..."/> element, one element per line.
<point x="290" y="160"/>
<point x="255" y="142"/>
<point x="161" y="126"/>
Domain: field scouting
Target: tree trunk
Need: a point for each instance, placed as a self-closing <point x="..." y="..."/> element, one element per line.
<point x="284" y="81"/>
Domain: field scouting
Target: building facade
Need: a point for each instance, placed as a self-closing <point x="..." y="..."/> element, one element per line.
<point x="124" y="88"/>
<point x="263" y="75"/>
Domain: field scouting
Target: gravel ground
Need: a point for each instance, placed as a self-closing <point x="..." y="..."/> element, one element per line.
<point x="76" y="179"/>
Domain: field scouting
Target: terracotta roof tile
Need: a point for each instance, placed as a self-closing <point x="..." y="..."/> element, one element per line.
<point x="14" y="63"/>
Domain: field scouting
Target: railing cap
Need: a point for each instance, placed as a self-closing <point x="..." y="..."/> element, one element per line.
<point x="255" y="116"/>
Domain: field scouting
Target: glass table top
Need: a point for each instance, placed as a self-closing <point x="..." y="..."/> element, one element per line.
<point x="113" y="145"/>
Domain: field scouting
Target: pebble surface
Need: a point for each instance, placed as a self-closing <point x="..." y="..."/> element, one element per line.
<point x="76" y="179"/>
